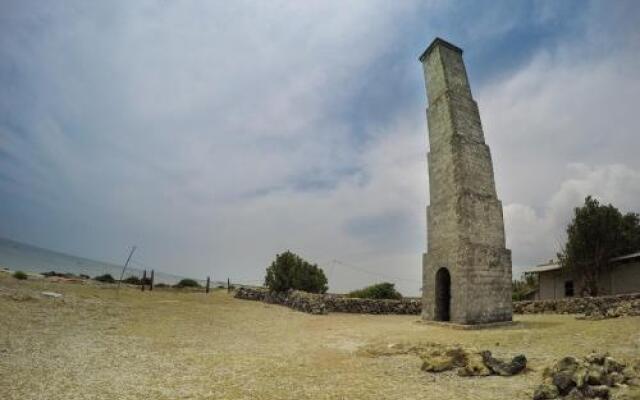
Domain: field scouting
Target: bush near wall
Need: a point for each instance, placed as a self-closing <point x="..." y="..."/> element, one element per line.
<point x="384" y="290"/>
<point x="20" y="275"/>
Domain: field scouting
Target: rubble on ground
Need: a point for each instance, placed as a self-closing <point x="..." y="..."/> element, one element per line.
<point x="592" y="377"/>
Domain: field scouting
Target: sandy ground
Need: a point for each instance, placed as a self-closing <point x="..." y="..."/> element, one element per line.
<point x="97" y="344"/>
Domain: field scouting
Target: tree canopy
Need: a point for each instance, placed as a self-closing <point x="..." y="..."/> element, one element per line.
<point x="597" y="233"/>
<point x="290" y="271"/>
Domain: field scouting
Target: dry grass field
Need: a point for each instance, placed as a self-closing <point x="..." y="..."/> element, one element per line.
<point x="97" y="344"/>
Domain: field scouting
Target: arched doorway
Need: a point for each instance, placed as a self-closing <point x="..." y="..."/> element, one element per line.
<point x="443" y="295"/>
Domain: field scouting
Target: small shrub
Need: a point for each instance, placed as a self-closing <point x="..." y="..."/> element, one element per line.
<point x="187" y="283"/>
<point x="20" y="275"/>
<point x="384" y="290"/>
<point x="290" y="271"/>
<point x="106" y="278"/>
<point x="84" y="276"/>
<point x="161" y="285"/>
<point x="132" y="280"/>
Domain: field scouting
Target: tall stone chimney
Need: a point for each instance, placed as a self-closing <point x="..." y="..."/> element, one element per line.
<point x="467" y="268"/>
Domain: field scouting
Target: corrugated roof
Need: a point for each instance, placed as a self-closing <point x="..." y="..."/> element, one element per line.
<point x="626" y="257"/>
<point x="544" y="268"/>
<point x="557" y="266"/>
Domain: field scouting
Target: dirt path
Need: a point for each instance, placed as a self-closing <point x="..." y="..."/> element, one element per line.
<point x="93" y="344"/>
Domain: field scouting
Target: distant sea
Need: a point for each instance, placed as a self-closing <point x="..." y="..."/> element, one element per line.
<point x="24" y="257"/>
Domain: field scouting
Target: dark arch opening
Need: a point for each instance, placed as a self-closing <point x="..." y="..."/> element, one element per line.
<point x="443" y="295"/>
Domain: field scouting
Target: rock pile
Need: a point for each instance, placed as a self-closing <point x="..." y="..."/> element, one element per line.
<point x="324" y="303"/>
<point x="590" y="307"/>
<point x="471" y="363"/>
<point x="589" y="378"/>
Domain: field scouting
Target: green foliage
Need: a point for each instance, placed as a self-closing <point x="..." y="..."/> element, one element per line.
<point x="161" y="285"/>
<point x="596" y="234"/>
<point x="106" y="278"/>
<point x="132" y="280"/>
<point x="20" y="275"/>
<point x="290" y="271"/>
<point x="521" y="288"/>
<point x="384" y="290"/>
<point x="187" y="283"/>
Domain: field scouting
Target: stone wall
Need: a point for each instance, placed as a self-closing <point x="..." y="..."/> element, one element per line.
<point x="325" y="303"/>
<point x="591" y="307"/>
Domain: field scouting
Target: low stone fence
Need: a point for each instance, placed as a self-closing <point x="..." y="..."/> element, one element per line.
<point x="325" y="303"/>
<point x="591" y="307"/>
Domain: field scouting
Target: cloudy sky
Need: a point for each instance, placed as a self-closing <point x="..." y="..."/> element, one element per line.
<point x="214" y="135"/>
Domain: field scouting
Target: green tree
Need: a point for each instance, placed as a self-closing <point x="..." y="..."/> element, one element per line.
<point x="290" y="271"/>
<point x="187" y="283"/>
<point x="596" y="234"/>
<point x="522" y="287"/>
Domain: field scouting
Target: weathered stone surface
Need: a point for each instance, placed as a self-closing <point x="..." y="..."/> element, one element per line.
<point x="467" y="269"/>
<point x="475" y="366"/>
<point x="324" y="303"/>
<point x="515" y="366"/>
<point x="563" y="381"/>
<point x="596" y="375"/>
<point x="592" y="308"/>
<point x="443" y="360"/>
<point x="545" y="391"/>
<point x="601" y="391"/>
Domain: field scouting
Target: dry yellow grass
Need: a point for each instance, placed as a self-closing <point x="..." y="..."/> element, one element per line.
<point x="93" y="344"/>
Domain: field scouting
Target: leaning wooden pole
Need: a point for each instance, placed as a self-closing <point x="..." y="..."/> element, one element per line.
<point x="151" y="281"/>
<point x="125" y="265"/>
<point x="208" y="283"/>
<point x="144" y="280"/>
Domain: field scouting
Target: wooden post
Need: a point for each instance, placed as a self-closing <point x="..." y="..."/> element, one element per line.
<point x="125" y="266"/>
<point x="144" y="279"/>
<point x="228" y="285"/>
<point x="151" y="283"/>
<point x="208" y="283"/>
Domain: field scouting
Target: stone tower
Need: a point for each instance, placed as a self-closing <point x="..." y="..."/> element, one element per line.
<point x="467" y="269"/>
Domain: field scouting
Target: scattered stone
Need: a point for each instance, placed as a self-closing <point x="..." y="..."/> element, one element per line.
<point x="443" y="360"/>
<point x="601" y="391"/>
<point x="615" y="379"/>
<point x="611" y="365"/>
<point x="596" y="358"/>
<point x="596" y="375"/>
<point x="515" y="366"/>
<point x="592" y="377"/>
<point x="574" y="394"/>
<point x="475" y="366"/>
<point x="545" y="392"/>
<point x="563" y="381"/>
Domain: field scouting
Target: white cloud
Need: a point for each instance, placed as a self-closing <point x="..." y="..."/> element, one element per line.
<point x="536" y="236"/>
<point x="214" y="136"/>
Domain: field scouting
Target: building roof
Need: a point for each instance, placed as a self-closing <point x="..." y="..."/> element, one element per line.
<point x="553" y="266"/>
<point x="544" y="268"/>
<point x="627" y="256"/>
